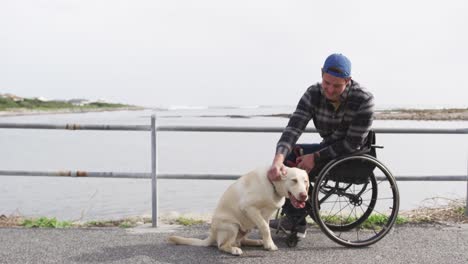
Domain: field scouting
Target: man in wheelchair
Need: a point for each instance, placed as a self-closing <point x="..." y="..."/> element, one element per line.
<point x="342" y="112"/>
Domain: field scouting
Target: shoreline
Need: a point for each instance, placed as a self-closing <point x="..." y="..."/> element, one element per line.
<point x="30" y="112"/>
<point x="449" y="114"/>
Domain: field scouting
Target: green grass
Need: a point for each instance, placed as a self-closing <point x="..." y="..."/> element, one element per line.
<point x="109" y="223"/>
<point x="379" y="220"/>
<point x="374" y="220"/>
<point x="127" y="224"/>
<point x="44" y="222"/>
<point x="122" y="223"/>
<point x="186" y="221"/>
<point x="460" y="210"/>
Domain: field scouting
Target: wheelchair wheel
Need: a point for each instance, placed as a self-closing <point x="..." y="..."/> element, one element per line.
<point x="355" y="200"/>
<point x="351" y="222"/>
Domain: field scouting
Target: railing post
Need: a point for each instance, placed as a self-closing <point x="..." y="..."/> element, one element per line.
<point x="154" y="194"/>
<point x="466" y="203"/>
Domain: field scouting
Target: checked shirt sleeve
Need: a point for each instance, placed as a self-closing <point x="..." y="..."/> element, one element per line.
<point x="296" y="125"/>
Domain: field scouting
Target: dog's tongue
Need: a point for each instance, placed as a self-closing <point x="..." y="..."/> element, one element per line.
<point x="296" y="203"/>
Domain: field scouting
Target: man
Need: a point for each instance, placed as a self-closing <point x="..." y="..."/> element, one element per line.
<point x="342" y="112"/>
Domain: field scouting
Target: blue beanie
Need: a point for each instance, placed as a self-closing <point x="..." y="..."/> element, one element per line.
<point x="337" y="65"/>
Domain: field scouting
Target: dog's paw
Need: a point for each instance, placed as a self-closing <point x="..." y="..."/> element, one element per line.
<point x="236" y="251"/>
<point x="270" y="246"/>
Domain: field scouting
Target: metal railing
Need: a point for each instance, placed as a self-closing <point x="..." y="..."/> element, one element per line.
<point x="155" y="176"/>
<point x="152" y="174"/>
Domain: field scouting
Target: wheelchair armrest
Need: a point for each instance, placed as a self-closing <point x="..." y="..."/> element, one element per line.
<point x="359" y="152"/>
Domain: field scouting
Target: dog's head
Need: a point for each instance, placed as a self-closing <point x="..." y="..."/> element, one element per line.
<point x="296" y="186"/>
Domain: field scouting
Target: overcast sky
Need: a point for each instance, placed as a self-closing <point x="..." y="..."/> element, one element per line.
<point x="243" y="52"/>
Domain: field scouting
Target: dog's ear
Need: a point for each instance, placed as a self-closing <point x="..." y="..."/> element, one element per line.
<point x="284" y="174"/>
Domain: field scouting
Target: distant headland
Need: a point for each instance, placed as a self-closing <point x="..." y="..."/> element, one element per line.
<point x="445" y="114"/>
<point x="11" y="104"/>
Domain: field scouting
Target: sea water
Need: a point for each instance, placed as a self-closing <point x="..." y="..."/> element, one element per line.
<point x="189" y="153"/>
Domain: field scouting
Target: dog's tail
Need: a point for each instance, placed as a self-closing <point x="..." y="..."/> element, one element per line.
<point x="191" y="241"/>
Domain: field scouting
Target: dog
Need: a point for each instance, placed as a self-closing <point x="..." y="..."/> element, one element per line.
<point x="248" y="203"/>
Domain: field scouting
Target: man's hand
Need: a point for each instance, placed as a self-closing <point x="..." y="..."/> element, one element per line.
<point x="306" y="162"/>
<point x="277" y="169"/>
<point x="275" y="172"/>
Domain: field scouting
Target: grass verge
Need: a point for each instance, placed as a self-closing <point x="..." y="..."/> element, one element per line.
<point x="453" y="213"/>
<point x="44" y="222"/>
<point x="187" y="221"/>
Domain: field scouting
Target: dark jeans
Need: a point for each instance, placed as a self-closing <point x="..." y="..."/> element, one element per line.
<point x="290" y="161"/>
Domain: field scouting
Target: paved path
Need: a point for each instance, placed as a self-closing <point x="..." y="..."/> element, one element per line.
<point x="420" y="244"/>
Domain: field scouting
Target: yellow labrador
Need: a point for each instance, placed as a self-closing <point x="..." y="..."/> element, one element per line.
<point x="248" y="203"/>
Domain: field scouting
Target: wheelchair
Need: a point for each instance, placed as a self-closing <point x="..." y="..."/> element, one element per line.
<point x="354" y="199"/>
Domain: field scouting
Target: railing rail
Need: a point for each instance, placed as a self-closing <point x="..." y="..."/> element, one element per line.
<point x="143" y="175"/>
<point x="76" y="127"/>
<point x="250" y="129"/>
<point x="308" y="130"/>
<point x="155" y="176"/>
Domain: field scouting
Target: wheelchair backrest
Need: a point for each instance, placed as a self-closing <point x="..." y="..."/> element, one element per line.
<point x="357" y="171"/>
<point x="370" y="144"/>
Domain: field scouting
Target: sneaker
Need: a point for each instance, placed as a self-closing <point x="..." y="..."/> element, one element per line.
<point x="286" y="224"/>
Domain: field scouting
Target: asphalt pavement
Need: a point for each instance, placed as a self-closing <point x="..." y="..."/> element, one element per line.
<point x="143" y="244"/>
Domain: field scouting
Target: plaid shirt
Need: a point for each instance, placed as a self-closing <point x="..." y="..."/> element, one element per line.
<point x="343" y="130"/>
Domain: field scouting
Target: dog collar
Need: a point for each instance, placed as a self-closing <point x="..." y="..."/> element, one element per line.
<point x="274" y="187"/>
